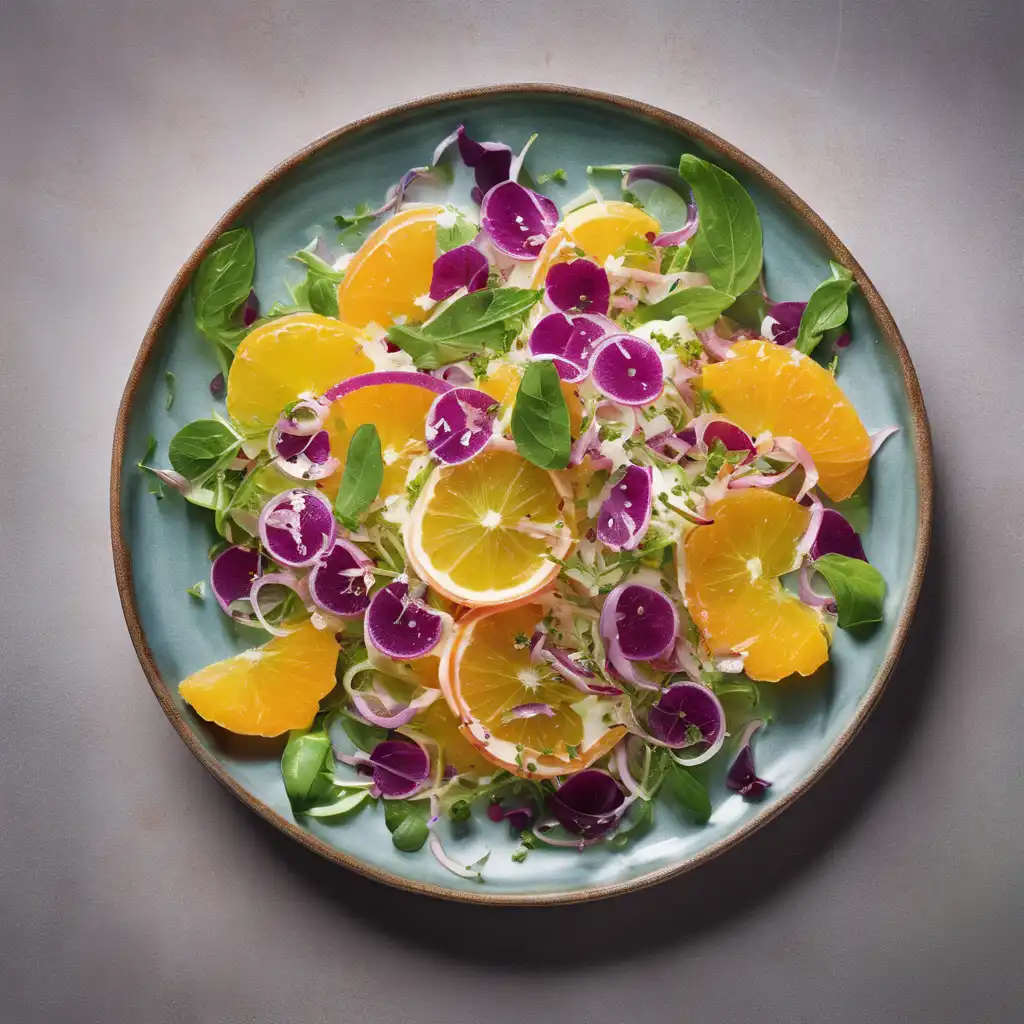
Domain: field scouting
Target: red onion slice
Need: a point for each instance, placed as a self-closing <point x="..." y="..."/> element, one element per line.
<point x="795" y="450"/>
<point x="628" y="370"/>
<point x="588" y="804"/>
<point x="281" y="579"/>
<point x="459" y="424"/>
<point x="879" y="437"/>
<point x="391" y="717"/>
<point x="296" y="527"/>
<point x="402" y="627"/>
<point x="578" y="287"/>
<point x="688" y="714"/>
<point x="671" y="178"/>
<point x="742" y="777"/>
<point x="369" y="380"/>
<point x="399" y="768"/>
<point x="528" y="711"/>
<point x="232" y="575"/>
<point x="462" y="267"/>
<point x="574" y="673"/>
<point x="810" y="596"/>
<point x="714" y="345"/>
<point x="336" y="582"/>
<point x="639" y="622"/>
<point x="626" y="513"/>
<point x="517" y="219"/>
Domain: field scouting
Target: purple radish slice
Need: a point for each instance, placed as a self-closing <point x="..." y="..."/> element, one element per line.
<point x="578" y="287"/>
<point x="588" y="804"/>
<point x="517" y="219"/>
<point x="836" y="536"/>
<point x="491" y="162"/>
<point x="628" y="370"/>
<point x="732" y="437"/>
<point x="462" y="267"/>
<point x="640" y="621"/>
<point x="401" y="627"/>
<point x="231" y="577"/>
<point x="298" y="526"/>
<point x="336" y="582"/>
<point x="742" y="777"/>
<point x="626" y="512"/>
<point x="459" y="424"/>
<point x="399" y="768"/>
<point x="688" y="715"/>
<point x="782" y="322"/>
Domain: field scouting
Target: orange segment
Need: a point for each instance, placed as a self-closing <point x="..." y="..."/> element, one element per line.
<point x="268" y="690"/>
<point x="392" y="268"/>
<point x="733" y="591"/>
<point x="302" y="353"/>
<point x="766" y="387"/>
<point x="399" y="412"/>
<point x="488" y="673"/>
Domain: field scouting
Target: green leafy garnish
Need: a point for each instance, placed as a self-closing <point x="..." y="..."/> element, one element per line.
<point x="415" y="486"/>
<point x="558" y="176"/>
<point x="641" y="821"/>
<point x="348" y="801"/>
<point x="859" y="589"/>
<point x="701" y="306"/>
<point x="676" y="258"/>
<point x="826" y="309"/>
<point x="220" y="288"/>
<point x="361" y="480"/>
<point x="363" y="735"/>
<point x="307" y="767"/>
<point x="540" y="417"/>
<point x="691" y="794"/>
<point x="461" y="232"/>
<point x="407" y="823"/>
<point x="728" y="243"/>
<point x="197" y="590"/>
<point x="201" y="447"/>
<point x="169" y="390"/>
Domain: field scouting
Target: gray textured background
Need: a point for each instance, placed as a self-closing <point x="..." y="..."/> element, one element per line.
<point x="134" y="889"/>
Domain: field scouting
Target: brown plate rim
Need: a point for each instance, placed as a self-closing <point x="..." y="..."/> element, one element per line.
<point x="922" y="446"/>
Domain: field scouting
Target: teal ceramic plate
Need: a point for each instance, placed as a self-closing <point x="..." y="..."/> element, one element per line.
<point x="160" y="547"/>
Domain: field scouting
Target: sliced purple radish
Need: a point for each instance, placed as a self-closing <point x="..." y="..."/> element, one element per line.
<point x="462" y="267"/>
<point x="688" y="715"/>
<point x="588" y="804"/>
<point x="369" y="380"/>
<point x="628" y="370"/>
<point x="402" y="627"/>
<point x="626" y="512"/>
<point x="491" y="162"/>
<point x="337" y="583"/>
<point x="399" y="768"/>
<point x="578" y="287"/>
<point x="639" y="622"/>
<point x="742" y="777"/>
<point x="732" y="437"/>
<point x="517" y="219"/>
<point x="836" y="536"/>
<point x="459" y="424"/>
<point x="297" y="527"/>
<point x="782" y="322"/>
<point x="231" y="577"/>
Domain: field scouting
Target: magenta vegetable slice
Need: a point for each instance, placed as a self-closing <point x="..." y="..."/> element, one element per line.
<point x="641" y="621"/>
<point x="231" y="576"/>
<point x="517" y="219"/>
<point x="626" y="512"/>
<point x="296" y="527"/>
<point x="336" y="582"/>
<point x="491" y="162"/>
<point x="369" y="380"/>
<point x="578" y="287"/>
<point x="462" y="267"/>
<point x="399" y="768"/>
<point x="459" y="424"/>
<point x="588" y="804"/>
<point x="742" y="777"/>
<point x="837" y="536"/>
<point x="688" y="715"/>
<point x="671" y="178"/>
<point x="401" y="627"/>
<point x="732" y="437"/>
<point x="782" y="323"/>
<point x="628" y="370"/>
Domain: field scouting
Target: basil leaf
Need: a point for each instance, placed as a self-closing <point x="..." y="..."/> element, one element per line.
<point x="749" y="310"/>
<point x="641" y="821"/>
<point x="307" y="767"/>
<point x="461" y="232"/>
<point x="360" y="482"/>
<point x="363" y="735"/>
<point x="223" y="282"/>
<point x="407" y="823"/>
<point x="728" y="243"/>
<point x="319" y="267"/>
<point x="676" y="258"/>
<point x="701" y="306"/>
<point x="540" y="417"/>
<point x="690" y="793"/>
<point x="859" y="589"/>
<point x="347" y="802"/>
<point x="201" y="446"/>
<point x="322" y="294"/>
<point x="826" y="309"/>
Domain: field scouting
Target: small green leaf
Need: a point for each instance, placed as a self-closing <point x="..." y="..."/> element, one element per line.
<point x="641" y="821"/>
<point x="558" y="176"/>
<point x="859" y="589"/>
<point x="201" y="447"/>
<point x="460" y="232"/>
<point x="220" y="287"/>
<point x="690" y="793"/>
<point x="169" y="388"/>
<point x="728" y="243"/>
<point x="322" y="294"/>
<point x="540" y="417"/>
<point x="347" y="802"/>
<point x="827" y="308"/>
<point x="361" y="480"/>
<point x="307" y="767"/>
<point x="701" y="306"/>
<point x="363" y="735"/>
<point x="197" y="590"/>
<point x="749" y="310"/>
<point x="676" y="258"/>
<point x="407" y="823"/>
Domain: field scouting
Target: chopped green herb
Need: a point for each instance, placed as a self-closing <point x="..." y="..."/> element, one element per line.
<point x="197" y="590"/>
<point x="558" y="176"/>
<point x="169" y="387"/>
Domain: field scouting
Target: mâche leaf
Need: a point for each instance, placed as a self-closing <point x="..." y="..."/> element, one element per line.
<point x="201" y="447"/>
<point x="307" y="767"/>
<point x="826" y="309"/>
<point x="407" y="823"/>
<point x="540" y="417"/>
<point x="701" y="306"/>
<point x="361" y="480"/>
<point x="859" y="589"/>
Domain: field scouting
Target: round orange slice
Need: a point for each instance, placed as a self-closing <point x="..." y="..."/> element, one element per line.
<point x="268" y="690"/>
<point x="295" y="355"/>
<point x="732" y="587"/>
<point x="486" y="676"/>
<point x="391" y="270"/>
<point x="766" y="387"/>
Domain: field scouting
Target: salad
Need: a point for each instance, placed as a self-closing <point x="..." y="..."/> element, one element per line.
<point x="531" y="499"/>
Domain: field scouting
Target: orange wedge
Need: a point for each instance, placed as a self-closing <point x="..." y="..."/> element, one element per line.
<point x="487" y="673"/>
<point x="268" y="690"/>
<point x="391" y="270"/>
<point x="295" y="355"/>
<point x="732" y="587"/>
<point x="766" y="387"/>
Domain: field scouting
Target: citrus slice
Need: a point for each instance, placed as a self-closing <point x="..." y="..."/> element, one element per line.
<point x="268" y="690"/>
<point x="391" y="270"/>
<point x="766" y="387"/>
<point x="481" y="532"/>
<point x="295" y="355"/>
<point x="503" y="384"/>
<point x="600" y="230"/>
<point x="732" y="586"/>
<point x="487" y="675"/>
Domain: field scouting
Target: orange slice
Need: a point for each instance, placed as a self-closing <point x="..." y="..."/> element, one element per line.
<point x="487" y="673"/>
<point x="481" y="531"/>
<point x="295" y="355"/>
<point x="766" y="387"/>
<point x="732" y="587"/>
<point x="391" y="270"/>
<point x="268" y="690"/>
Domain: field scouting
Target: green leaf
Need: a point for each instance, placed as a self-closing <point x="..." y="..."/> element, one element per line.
<point x="307" y="767"/>
<point x="197" y="590"/>
<point x="347" y="802"/>
<point x="363" y="735"/>
<point x="749" y="310"/>
<point x="676" y="258"/>
<point x="826" y="309"/>
<point x="322" y="294"/>
<point x="169" y="389"/>
<point x="728" y="243"/>
<point x="540" y="417"/>
<point x="661" y="201"/>
<point x="461" y="232"/>
<point x="558" y="176"/>
<point x="201" y="446"/>
<point x="859" y="589"/>
<point x="691" y="794"/>
<point x="318" y="266"/>
<point x="641" y="821"/>
<point x="360" y="482"/>
<point x="701" y="306"/>
<point x="407" y="823"/>
<point x="222" y="284"/>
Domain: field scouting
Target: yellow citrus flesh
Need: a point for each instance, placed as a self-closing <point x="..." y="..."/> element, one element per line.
<point x="391" y="270"/>
<point x="399" y="412"/>
<point x="600" y="230"/>
<point x="268" y="690"/>
<point x="488" y="674"/>
<point x="481" y="531"/>
<point x="766" y="387"/>
<point x="302" y="353"/>
<point x="733" y="592"/>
